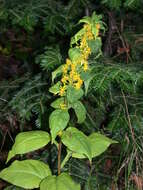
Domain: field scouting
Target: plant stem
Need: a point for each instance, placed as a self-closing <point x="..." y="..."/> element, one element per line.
<point x="59" y="157"/>
<point x="66" y="159"/>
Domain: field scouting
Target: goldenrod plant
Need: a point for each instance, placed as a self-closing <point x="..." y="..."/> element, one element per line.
<point x="73" y="84"/>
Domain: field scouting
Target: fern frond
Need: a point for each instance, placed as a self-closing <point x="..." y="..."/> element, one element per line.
<point x="30" y="99"/>
<point x="50" y="59"/>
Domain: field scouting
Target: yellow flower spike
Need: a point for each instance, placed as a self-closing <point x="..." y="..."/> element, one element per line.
<point x="71" y="69"/>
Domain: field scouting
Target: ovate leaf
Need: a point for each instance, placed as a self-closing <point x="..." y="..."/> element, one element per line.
<point x="80" y="111"/>
<point x="58" y="121"/>
<point x="74" y="94"/>
<point x="61" y="182"/>
<point x="98" y="143"/>
<point x="77" y="141"/>
<point x="28" y="141"/>
<point x="27" y="174"/>
<point x="56" y="104"/>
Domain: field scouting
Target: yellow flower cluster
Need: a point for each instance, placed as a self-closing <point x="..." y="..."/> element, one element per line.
<point x="72" y="69"/>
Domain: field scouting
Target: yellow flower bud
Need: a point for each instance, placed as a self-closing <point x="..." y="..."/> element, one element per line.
<point x="98" y="26"/>
<point x="68" y="62"/>
<point x="63" y="106"/>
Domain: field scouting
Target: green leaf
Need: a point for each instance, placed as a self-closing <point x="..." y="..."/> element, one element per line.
<point x="58" y="71"/>
<point x="58" y="121"/>
<point x="61" y="182"/>
<point x="74" y="54"/>
<point x="77" y="141"/>
<point x="28" y="141"/>
<point x="133" y="4"/>
<point x="87" y="78"/>
<point x="95" y="45"/>
<point x="80" y="111"/>
<point x="98" y="143"/>
<point x="56" y="104"/>
<point x="27" y="174"/>
<point x="86" y="20"/>
<point x="77" y="36"/>
<point x="50" y="59"/>
<point x="55" y="89"/>
<point x="74" y="94"/>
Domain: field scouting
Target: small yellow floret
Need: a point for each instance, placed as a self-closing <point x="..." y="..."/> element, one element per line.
<point x="98" y="26"/>
<point x="85" y="66"/>
<point x="78" y="84"/>
<point x="63" y="106"/>
<point x="60" y="133"/>
<point x="62" y="90"/>
<point x="68" y="62"/>
<point x="64" y="79"/>
<point x="65" y="69"/>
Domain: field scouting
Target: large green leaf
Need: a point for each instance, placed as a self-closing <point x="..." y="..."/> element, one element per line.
<point x="58" y="121"/>
<point x="80" y="111"/>
<point x="28" y="141"/>
<point x="27" y="174"/>
<point x="61" y="182"/>
<point x="77" y="141"/>
<point x="74" y="94"/>
<point x="98" y="143"/>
